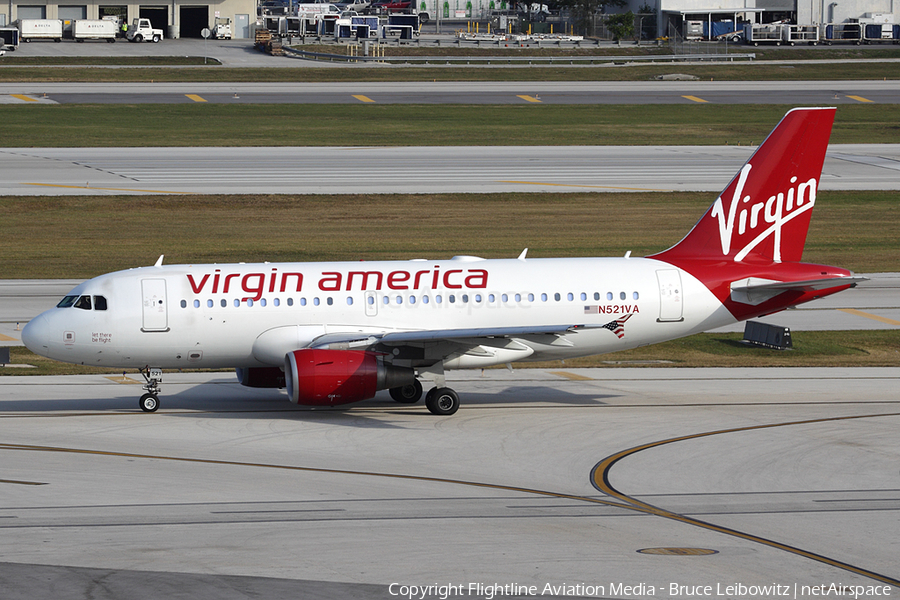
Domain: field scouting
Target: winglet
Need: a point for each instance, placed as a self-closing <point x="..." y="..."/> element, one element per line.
<point x="159" y="260"/>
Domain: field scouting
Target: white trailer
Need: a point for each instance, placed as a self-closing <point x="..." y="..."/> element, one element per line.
<point x="40" y="29"/>
<point x="801" y="34"/>
<point x="94" y="29"/>
<point x="755" y="35"/>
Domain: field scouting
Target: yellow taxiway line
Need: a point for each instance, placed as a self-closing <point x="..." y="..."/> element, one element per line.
<point x="195" y="98"/>
<point x="102" y="189"/>
<point x="860" y="99"/>
<point x="529" y="99"/>
<point x="859" y="313"/>
<point x="695" y="99"/>
<point x="6" y="338"/>
<point x="592" y="187"/>
<point x="362" y="98"/>
<point x="24" y="98"/>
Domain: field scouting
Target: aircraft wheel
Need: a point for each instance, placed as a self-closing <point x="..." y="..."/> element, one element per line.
<point x="149" y="403"/>
<point x="442" y="401"/>
<point x="407" y="394"/>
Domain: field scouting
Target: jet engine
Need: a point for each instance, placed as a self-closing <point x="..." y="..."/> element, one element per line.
<point x="317" y="377"/>
<point x="261" y="377"/>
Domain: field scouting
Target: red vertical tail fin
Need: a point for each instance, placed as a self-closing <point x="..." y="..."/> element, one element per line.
<point x="763" y="214"/>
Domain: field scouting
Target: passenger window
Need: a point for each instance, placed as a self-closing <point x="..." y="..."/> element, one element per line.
<point x="504" y="297"/>
<point x="451" y="299"/>
<point x="465" y="298"/>
<point x="329" y="300"/>
<point x="543" y="297"/>
<point x="412" y="299"/>
<point x="439" y="299"/>
<point x="349" y="300"/>
<point x="237" y="302"/>
<point x="518" y="297"/>
<point x="99" y="302"/>
<point x="277" y="301"/>
<point x="609" y="296"/>
<point x="196" y="304"/>
<point x="622" y="295"/>
<point x="570" y="296"/>
<point x="596" y="295"/>
<point x="67" y="302"/>
<point x="224" y="303"/>
<point x="557" y="297"/>
<point x="635" y="295"/>
<point x="531" y="297"/>
<point x="262" y="301"/>
<point x="583" y="296"/>
<point x="209" y="303"/>
<point x="83" y="303"/>
<point x="424" y="299"/>
<point x="184" y="304"/>
<point x="290" y="301"/>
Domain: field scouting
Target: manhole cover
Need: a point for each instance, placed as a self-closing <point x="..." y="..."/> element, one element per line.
<point x="679" y="551"/>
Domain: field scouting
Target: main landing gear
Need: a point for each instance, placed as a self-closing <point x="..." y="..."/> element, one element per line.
<point x="439" y="400"/>
<point x="149" y="402"/>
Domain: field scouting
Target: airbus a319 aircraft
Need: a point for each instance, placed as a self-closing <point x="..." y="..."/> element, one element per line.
<point x="337" y="332"/>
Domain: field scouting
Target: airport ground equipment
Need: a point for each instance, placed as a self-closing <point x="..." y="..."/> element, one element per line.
<point x="222" y="28"/>
<point x="763" y="34"/>
<point x="40" y="29"/>
<point x="94" y="29"/>
<point x="9" y="38"/>
<point x="142" y="31"/>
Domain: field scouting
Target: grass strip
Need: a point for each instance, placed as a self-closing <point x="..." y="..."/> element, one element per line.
<point x="81" y="237"/>
<point x="201" y="124"/>
<point x="402" y="73"/>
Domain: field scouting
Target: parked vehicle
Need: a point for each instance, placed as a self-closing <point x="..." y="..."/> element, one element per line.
<point x="142" y="31"/>
<point x="94" y="29"/>
<point x="40" y="29"/>
<point x="9" y="38"/>
<point x="222" y="28"/>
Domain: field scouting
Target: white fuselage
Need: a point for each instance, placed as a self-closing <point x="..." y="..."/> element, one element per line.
<point x="249" y="315"/>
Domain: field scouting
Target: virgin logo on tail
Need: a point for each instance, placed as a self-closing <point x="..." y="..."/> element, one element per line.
<point x="770" y="215"/>
<point x="762" y="216"/>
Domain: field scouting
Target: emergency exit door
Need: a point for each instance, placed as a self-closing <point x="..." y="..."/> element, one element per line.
<point x="671" y="305"/>
<point x="154" y="305"/>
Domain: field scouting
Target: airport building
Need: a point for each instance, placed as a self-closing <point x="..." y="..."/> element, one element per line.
<point x="703" y="15"/>
<point x="175" y="18"/>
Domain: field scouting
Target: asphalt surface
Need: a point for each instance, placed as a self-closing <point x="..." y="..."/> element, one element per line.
<point x="592" y="478"/>
<point x="821" y="93"/>
<point x="426" y="169"/>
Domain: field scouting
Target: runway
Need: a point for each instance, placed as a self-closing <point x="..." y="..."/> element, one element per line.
<point x="816" y="93"/>
<point x="562" y="477"/>
<point x="413" y="170"/>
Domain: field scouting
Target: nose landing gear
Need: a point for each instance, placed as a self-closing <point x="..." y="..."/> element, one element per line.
<point x="150" y="401"/>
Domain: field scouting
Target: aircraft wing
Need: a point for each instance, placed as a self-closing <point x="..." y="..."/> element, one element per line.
<point x="357" y="340"/>
<point x="756" y="291"/>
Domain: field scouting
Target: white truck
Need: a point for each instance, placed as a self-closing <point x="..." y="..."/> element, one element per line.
<point x="141" y="30"/>
<point x="94" y="29"/>
<point x="222" y="28"/>
<point x="40" y="29"/>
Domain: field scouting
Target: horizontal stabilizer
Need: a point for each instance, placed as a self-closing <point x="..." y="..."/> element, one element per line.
<point x="755" y="291"/>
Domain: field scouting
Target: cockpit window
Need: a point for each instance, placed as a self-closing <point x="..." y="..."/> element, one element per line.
<point x="84" y="303"/>
<point x="99" y="302"/>
<point x="67" y="302"/>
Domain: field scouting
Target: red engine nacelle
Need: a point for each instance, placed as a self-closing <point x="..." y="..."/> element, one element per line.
<point x="329" y="377"/>
<point x="261" y="377"/>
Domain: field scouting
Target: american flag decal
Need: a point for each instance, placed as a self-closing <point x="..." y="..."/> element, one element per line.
<point x="618" y="326"/>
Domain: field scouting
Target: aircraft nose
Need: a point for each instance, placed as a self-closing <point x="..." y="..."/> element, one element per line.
<point x="36" y="335"/>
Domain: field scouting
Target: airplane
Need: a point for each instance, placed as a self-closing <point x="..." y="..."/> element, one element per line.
<point x="334" y="333"/>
